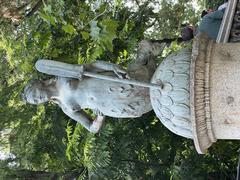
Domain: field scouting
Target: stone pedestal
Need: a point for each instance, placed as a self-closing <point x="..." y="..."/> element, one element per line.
<point x="200" y="98"/>
<point x="214" y="92"/>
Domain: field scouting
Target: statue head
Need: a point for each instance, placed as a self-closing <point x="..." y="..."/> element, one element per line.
<point x="36" y="92"/>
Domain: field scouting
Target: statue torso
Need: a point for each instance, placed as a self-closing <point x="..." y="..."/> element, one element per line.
<point x="110" y="98"/>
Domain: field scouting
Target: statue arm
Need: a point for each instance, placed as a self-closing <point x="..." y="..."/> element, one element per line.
<point x="106" y="66"/>
<point x="103" y="66"/>
<point x="84" y="119"/>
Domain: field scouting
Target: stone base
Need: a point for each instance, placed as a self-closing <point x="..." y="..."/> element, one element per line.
<point x="225" y="90"/>
<point x="214" y="92"/>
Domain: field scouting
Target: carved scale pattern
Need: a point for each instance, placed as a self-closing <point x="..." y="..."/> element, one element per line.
<point x="172" y="103"/>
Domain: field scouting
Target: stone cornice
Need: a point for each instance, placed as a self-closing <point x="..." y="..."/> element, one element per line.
<point x="203" y="135"/>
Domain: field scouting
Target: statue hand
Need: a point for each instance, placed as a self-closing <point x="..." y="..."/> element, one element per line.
<point x="98" y="122"/>
<point x="97" y="112"/>
<point x="121" y="73"/>
<point x="81" y="71"/>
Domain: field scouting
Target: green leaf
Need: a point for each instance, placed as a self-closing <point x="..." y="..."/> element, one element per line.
<point x="104" y="35"/>
<point x="83" y="16"/>
<point x="68" y="29"/>
<point x="48" y="18"/>
<point x="26" y="66"/>
<point x="97" y="52"/>
<point x="94" y="30"/>
<point x="85" y="35"/>
<point x="108" y="33"/>
<point x="48" y="8"/>
<point x="125" y="53"/>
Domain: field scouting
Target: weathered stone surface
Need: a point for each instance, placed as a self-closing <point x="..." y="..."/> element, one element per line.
<point x="214" y="92"/>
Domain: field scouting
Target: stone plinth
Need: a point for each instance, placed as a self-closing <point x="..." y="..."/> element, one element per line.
<point x="225" y="90"/>
<point x="214" y="92"/>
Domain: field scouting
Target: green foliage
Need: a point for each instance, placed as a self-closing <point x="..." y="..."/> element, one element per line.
<point x="95" y="30"/>
<point x="220" y="162"/>
<point x="214" y="4"/>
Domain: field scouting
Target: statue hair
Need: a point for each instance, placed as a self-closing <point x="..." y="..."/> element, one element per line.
<point x="35" y="83"/>
<point x="28" y="87"/>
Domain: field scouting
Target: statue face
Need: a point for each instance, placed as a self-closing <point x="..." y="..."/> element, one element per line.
<point x="36" y="95"/>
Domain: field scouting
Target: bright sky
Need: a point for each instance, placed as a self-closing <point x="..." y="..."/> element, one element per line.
<point x="195" y="4"/>
<point x="4" y="149"/>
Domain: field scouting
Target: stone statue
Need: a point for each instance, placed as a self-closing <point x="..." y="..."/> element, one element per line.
<point x="104" y="97"/>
